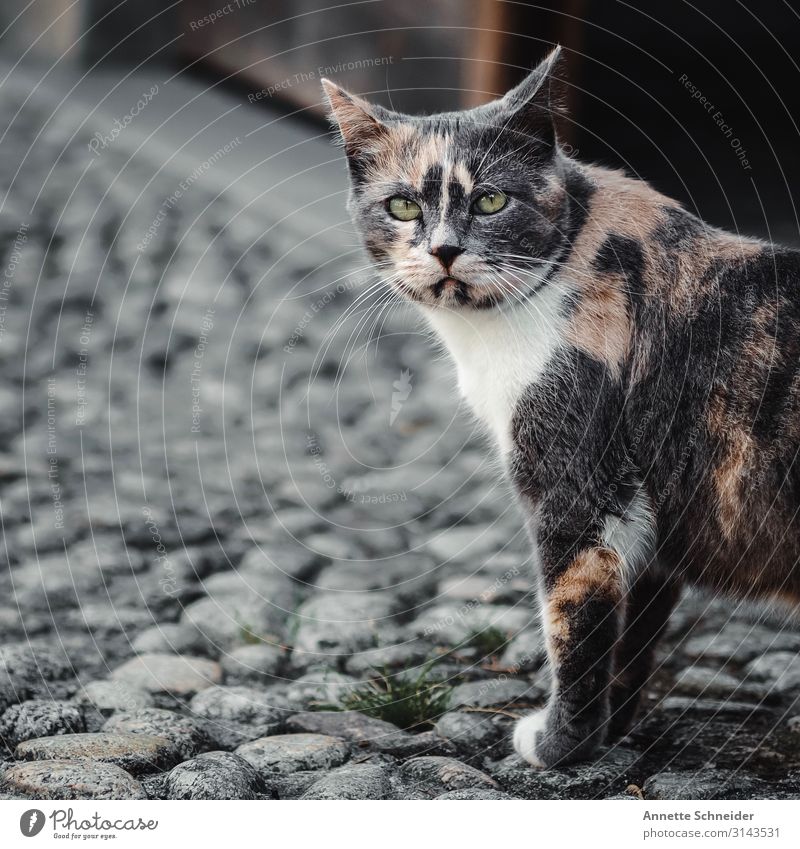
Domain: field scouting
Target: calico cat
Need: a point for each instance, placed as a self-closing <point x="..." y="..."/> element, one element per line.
<point x="637" y="369"/>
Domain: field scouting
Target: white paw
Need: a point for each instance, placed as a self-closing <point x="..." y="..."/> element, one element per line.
<point x="525" y="733"/>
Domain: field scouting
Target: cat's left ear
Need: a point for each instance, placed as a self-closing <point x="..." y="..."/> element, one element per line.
<point x="357" y="120"/>
<point x="534" y="104"/>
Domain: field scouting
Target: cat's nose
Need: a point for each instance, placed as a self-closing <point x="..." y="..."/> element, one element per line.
<point x="446" y="254"/>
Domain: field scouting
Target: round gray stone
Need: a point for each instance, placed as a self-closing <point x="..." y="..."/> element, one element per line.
<point x="239" y="704"/>
<point x="184" y="734"/>
<point x="691" y="707"/>
<point x="223" y="623"/>
<point x="408" y="656"/>
<point x="319" y="687"/>
<point x="292" y="560"/>
<point x="72" y="780"/>
<point x="213" y="775"/>
<point x="608" y="775"/>
<point x="137" y="753"/>
<point x="180" y="675"/>
<point x="257" y="663"/>
<point x="39" y="718"/>
<point x="27" y="670"/>
<point x="287" y="753"/>
<point x="741" y="641"/>
<point x="463" y="543"/>
<point x="344" y="622"/>
<point x="290" y="785"/>
<point x="525" y="653"/>
<point x="431" y="776"/>
<point x="169" y="638"/>
<point x="352" y="781"/>
<point x="474" y="794"/>
<point x="494" y="692"/>
<point x="474" y="732"/>
<point x="707" y="681"/>
<point x="108" y="696"/>
<point x="235" y="715"/>
<point x="452" y="624"/>
<point x="349" y="725"/>
<point x="405" y="745"/>
<point x="703" y="784"/>
<point x="781" y="670"/>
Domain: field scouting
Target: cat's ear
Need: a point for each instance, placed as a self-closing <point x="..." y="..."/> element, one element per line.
<point x="534" y="104"/>
<point x="356" y="119"/>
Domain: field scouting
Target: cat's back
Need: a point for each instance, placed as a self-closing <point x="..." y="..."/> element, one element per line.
<point x="723" y="377"/>
<point x="682" y="280"/>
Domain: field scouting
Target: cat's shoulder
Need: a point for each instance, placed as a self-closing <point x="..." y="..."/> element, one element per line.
<point x="626" y="209"/>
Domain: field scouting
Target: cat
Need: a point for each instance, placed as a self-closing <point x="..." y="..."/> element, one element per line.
<point x="636" y="368"/>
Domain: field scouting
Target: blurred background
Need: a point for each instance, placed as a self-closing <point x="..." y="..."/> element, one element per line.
<point x="226" y="456"/>
<point x="634" y="71"/>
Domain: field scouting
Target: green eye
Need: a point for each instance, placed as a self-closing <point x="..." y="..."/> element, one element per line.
<point x="490" y="203"/>
<point x="403" y="209"/>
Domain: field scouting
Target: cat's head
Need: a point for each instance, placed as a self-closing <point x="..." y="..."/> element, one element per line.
<point x="463" y="209"/>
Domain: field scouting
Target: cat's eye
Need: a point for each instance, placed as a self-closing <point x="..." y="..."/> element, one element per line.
<point x="403" y="209"/>
<point x="490" y="203"/>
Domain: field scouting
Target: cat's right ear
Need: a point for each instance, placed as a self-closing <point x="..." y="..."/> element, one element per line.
<point x="360" y="128"/>
<point x="535" y="104"/>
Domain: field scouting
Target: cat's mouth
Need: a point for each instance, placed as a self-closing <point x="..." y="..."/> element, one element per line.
<point x="452" y="289"/>
<point x="454" y="292"/>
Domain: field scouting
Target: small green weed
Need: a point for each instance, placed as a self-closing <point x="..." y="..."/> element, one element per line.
<point x="249" y="636"/>
<point x="488" y="641"/>
<point x="408" y="702"/>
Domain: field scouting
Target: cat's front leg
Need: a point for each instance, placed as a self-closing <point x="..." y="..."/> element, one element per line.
<point x="581" y="613"/>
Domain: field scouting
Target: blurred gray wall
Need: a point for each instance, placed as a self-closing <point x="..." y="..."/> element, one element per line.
<point x="126" y="33"/>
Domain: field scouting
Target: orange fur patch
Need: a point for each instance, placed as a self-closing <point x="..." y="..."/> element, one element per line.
<point x="600" y="326"/>
<point x="596" y="571"/>
<point x="461" y="173"/>
<point x="729" y="478"/>
<point x="428" y="151"/>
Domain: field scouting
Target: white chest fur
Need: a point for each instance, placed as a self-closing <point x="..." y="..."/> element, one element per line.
<point x="499" y="353"/>
<point x="633" y="536"/>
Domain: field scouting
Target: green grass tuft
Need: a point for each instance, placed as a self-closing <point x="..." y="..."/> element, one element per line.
<point x="488" y="641"/>
<point x="408" y="702"/>
<point x="248" y="636"/>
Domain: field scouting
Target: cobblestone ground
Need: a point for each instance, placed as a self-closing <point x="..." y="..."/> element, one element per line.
<point x="223" y="515"/>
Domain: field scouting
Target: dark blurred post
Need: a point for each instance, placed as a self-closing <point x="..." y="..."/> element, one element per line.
<point x="130" y="33"/>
